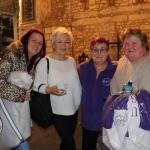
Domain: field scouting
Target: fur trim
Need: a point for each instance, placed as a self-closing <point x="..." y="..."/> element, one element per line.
<point x="14" y="46"/>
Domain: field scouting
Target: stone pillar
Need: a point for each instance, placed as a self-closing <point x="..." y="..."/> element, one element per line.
<point x="15" y="20"/>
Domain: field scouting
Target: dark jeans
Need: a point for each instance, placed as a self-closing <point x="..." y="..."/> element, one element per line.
<point x="65" y="126"/>
<point x="89" y="139"/>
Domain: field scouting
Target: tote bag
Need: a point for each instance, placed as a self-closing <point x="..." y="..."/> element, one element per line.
<point x="15" y="124"/>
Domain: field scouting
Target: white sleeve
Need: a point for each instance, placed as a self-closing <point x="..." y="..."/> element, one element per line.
<point x="41" y="76"/>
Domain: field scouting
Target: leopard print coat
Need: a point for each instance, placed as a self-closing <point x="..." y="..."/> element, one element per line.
<point x="14" y="60"/>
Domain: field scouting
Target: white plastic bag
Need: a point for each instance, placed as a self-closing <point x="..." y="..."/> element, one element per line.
<point x="20" y="115"/>
<point x="21" y="79"/>
<point x="129" y="144"/>
<point x="113" y="138"/>
<point x="19" y="112"/>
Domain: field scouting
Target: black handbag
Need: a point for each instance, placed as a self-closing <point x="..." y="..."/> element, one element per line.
<point x="40" y="107"/>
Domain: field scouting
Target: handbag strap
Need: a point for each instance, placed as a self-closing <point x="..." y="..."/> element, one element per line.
<point x="10" y="120"/>
<point x="47" y="74"/>
<point x="47" y="66"/>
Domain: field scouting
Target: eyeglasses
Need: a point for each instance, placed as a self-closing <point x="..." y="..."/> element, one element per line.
<point x="96" y="50"/>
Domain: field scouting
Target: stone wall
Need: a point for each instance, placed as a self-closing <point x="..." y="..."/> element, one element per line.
<point x="88" y="19"/>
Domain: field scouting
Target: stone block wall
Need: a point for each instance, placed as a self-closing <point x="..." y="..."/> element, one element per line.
<point x="88" y="19"/>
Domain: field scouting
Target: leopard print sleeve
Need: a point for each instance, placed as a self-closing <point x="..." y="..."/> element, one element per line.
<point x="10" y="91"/>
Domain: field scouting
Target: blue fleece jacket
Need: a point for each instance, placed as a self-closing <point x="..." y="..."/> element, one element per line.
<point x="94" y="91"/>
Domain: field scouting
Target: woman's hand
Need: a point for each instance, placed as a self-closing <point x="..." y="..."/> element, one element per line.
<point x="27" y="95"/>
<point x="53" y="90"/>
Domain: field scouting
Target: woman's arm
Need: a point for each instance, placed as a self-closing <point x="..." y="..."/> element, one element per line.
<point x="7" y="90"/>
<point x="41" y="76"/>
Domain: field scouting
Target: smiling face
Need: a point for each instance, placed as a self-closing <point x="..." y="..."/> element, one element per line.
<point x="133" y="49"/>
<point x="35" y="44"/>
<point x="62" y="44"/>
<point x="100" y="56"/>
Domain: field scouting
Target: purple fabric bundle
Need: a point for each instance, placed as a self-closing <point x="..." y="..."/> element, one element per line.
<point x="126" y="121"/>
<point x="119" y="102"/>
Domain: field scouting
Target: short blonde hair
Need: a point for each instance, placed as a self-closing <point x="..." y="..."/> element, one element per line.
<point x="60" y="31"/>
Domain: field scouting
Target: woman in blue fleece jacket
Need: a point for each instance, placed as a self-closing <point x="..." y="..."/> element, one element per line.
<point x="95" y="76"/>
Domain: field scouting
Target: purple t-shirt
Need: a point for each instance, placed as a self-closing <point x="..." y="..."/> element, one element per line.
<point x="94" y="91"/>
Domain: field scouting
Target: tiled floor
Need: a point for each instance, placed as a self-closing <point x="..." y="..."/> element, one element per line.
<point x="48" y="139"/>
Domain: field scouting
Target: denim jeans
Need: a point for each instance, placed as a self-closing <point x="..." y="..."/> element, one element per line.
<point x="23" y="146"/>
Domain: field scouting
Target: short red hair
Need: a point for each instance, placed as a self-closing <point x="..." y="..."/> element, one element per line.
<point x="99" y="40"/>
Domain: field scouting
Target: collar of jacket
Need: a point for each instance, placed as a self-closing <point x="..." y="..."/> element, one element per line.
<point x="109" y="63"/>
<point x="18" y="48"/>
